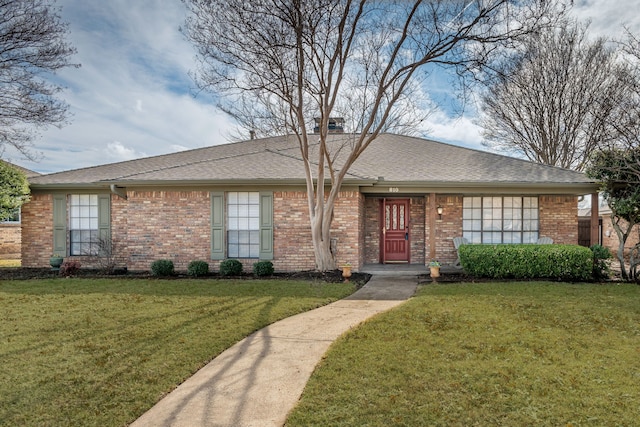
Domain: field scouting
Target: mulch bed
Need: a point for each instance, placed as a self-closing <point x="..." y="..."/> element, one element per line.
<point x="335" y="276"/>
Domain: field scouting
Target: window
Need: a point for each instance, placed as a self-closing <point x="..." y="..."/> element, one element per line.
<point x="83" y="224"/>
<point x="13" y="218"/>
<point x="243" y="225"/>
<point x="500" y="219"/>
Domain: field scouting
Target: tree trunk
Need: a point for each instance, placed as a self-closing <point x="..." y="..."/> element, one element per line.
<point x="634" y="262"/>
<point x="623" y="235"/>
<point x="321" y="237"/>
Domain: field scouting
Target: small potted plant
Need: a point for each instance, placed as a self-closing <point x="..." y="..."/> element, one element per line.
<point x="55" y="261"/>
<point x="346" y="271"/>
<point x="434" y="268"/>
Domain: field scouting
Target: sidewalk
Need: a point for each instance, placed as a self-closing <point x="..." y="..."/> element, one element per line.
<point x="259" y="380"/>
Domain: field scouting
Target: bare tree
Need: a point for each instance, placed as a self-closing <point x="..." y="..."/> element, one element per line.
<point x="32" y="45"/>
<point x="552" y="101"/>
<point x="281" y="63"/>
<point x="626" y="122"/>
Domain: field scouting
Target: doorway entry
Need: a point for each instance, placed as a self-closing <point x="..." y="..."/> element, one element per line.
<point x="395" y="231"/>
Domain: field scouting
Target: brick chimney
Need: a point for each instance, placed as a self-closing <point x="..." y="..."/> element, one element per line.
<point x="336" y="125"/>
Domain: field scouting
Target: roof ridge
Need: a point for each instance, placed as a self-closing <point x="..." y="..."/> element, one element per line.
<point x="491" y="153"/>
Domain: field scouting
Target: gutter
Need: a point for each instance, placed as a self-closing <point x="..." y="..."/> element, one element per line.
<point x="119" y="191"/>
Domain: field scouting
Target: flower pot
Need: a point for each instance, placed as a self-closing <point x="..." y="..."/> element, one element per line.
<point x="434" y="271"/>
<point x="55" y="262"/>
<point x="346" y="272"/>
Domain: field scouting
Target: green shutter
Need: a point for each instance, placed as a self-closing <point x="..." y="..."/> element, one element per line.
<point x="266" y="225"/>
<point x="104" y="217"/>
<point x="217" y="226"/>
<point x="60" y="224"/>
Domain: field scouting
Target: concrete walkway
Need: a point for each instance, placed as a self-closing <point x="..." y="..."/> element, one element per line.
<point x="260" y="379"/>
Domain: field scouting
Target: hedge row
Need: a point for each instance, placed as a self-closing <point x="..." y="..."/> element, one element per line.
<point x="228" y="267"/>
<point x="553" y="262"/>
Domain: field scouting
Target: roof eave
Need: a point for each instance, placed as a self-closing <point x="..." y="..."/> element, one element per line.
<point x="367" y="185"/>
<point x="574" y="188"/>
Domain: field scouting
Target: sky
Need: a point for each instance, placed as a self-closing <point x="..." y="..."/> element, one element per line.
<point x="133" y="96"/>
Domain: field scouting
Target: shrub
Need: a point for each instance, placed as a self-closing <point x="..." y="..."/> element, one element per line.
<point x="69" y="268"/>
<point x="106" y="258"/>
<point x="162" y="267"/>
<point x="198" y="268"/>
<point x="555" y="262"/>
<point x="263" y="268"/>
<point x="601" y="257"/>
<point x="230" y="267"/>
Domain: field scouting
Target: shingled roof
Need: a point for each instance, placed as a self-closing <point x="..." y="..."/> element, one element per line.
<point x="390" y="159"/>
<point x="28" y="173"/>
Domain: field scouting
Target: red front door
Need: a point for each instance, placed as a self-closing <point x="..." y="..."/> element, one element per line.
<point x="395" y="230"/>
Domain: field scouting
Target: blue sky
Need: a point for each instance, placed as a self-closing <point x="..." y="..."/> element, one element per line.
<point x="133" y="97"/>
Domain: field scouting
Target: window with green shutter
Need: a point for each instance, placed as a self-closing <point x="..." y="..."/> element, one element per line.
<point x="243" y="226"/>
<point x="81" y="220"/>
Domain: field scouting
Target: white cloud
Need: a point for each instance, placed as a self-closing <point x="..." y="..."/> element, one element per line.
<point x="455" y="130"/>
<point x="118" y="152"/>
<point x="608" y="17"/>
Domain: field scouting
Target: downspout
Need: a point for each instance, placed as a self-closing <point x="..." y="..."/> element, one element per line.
<point x="119" y="191"/>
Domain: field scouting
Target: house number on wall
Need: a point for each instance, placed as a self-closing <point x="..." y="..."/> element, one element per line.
<point x="393" y="189"/>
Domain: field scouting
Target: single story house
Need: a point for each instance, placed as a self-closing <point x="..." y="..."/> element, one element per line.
<point x="403" y="201"/>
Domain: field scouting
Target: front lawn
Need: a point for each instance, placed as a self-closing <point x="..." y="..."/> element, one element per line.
<point x="491" y="354"/>
<point x="100" y="352"/>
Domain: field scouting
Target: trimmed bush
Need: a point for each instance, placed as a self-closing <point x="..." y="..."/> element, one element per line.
<point x="263" y="268"/>
<point x="198" y="268"/>
<point x="554" y="262"/>
<point x="162" y="267"/>
<point x="230" y="267"/>
<point x="69" y="268"/>
<point x="601" y="257"/>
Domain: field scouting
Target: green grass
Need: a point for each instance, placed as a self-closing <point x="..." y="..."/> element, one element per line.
<point x="79" y="352"/>
<point x="502" y="354"/>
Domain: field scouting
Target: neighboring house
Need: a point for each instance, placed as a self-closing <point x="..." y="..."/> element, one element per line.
<point x="10" y="235"/>
<point x="608" y="236"/>
<point x="248" y="201"/>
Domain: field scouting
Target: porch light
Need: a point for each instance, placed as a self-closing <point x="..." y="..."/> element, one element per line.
<point x="440" y="209"/>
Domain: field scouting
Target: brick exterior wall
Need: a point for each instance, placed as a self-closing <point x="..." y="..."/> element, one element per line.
<point x="151" y="225"/>
<point x="559" y="218"/>
<point x="372" y="227"/>
<point x="417" y="227"/>
<point x="37" y="231"/>
<point x="10" y="241"/>
<point x="292" y="247"/>
<point x="171" y="225"/>
<point x="347" y="228"/>
<point x="448" y="227"/>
